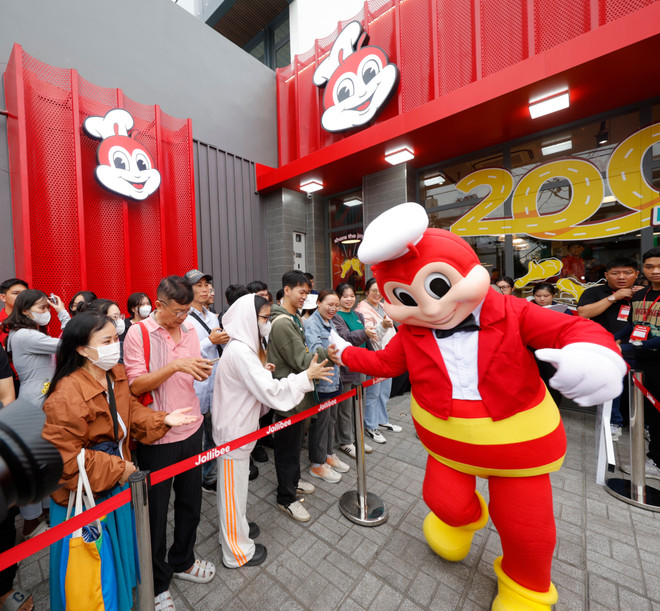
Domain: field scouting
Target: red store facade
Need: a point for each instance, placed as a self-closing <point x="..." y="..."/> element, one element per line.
<point x="521" y="190"/>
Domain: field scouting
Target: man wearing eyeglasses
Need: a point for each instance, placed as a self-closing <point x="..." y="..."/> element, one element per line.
<point x="609" y="305"/>
<point x="174" y="363"/>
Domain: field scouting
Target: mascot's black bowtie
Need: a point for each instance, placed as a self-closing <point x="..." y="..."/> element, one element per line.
<point x="469" y="324"/>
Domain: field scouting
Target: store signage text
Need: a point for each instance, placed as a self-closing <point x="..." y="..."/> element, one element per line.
<point x="624" y="176"/>
<point x="124" y="165"/>
<point x="358" y="79"/>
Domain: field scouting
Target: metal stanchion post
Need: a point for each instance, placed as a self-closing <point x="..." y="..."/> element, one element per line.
<point x="359" y="506"/>
<point x="140" y="483"/>
<point x="635" y="491"/>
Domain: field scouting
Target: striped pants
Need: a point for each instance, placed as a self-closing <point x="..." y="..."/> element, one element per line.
<point x="232" y="491"/>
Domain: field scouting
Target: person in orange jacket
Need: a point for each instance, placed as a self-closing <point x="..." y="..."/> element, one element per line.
<point x="478" y="403"/>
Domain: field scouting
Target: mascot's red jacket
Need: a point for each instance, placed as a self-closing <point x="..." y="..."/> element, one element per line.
<point x="479" y="405"/>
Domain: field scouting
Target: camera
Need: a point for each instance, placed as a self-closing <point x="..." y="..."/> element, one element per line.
<point x="30" y="466"/>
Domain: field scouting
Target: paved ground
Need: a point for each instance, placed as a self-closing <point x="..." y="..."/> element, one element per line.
<point x="606" y="557"/>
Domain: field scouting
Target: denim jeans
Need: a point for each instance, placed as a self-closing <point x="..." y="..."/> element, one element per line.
<point x="375" y="404"/>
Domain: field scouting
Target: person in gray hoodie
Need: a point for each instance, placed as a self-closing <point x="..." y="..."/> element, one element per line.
<point x="288" y="351"/>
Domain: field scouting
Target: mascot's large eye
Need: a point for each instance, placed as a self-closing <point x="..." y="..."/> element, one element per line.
<point x="120" y="160"/>
<point x="370" y="69"/>
<point x="345" y="88"/>
<point x="142" y="161"/>
<point x="404" y="297"/>
<point x="437" y="285"/>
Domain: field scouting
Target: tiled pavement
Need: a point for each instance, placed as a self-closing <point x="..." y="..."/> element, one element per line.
<point x="607" y="556"/>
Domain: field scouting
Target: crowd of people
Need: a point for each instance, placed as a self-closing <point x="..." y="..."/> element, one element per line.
<point x="175" y="377"/>
<point x="152" y="375"/>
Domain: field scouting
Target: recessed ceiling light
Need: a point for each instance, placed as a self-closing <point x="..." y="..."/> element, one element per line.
<point x="400" y="155"/>
<point x="353" y="202"/>
<point x="310" y="186"/>
<point x="549" y="104"/>
<point x="557" y="147"/>
<point x="437" y="179"/>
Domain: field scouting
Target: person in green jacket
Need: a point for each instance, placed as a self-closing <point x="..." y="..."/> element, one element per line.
<point x="288" y="352"/>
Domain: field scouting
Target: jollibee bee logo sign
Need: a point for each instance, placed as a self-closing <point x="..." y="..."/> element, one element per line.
<point x="358" y="79"/>
<point x="124" y="165"/>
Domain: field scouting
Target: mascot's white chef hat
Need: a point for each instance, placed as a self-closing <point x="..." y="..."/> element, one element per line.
<point x="398" y="243"/>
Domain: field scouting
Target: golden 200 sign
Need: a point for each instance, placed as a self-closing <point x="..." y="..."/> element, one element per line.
<point x="624" y="175"/>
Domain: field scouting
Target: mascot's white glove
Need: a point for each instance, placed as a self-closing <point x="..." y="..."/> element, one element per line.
<point x="340" y="343"/>
<point x="587" y="373"/>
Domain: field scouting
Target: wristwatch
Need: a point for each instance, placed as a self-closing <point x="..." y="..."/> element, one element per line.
<point x="611" y="298"/>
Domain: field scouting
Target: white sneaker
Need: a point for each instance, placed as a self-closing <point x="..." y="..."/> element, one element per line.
<point x="326" y="473"/>
<point x="376" y="435"/>
<point x="616" y="432"/>
<point x="368" y="449"/>
<point x="304" y="487"/>
<point x="395" y="428"/>
<point x="651" y="469"/>
<point x="349" y="450"/>
<point x="296" y="511"/>
<point x="337" y="465"/>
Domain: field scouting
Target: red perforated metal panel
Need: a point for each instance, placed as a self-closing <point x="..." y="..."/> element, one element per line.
<point x="503" y="34"/>
<point x="72" y="233"/>
<point x="416" y="64"/>
<point x="550" y="31"/>
<point x="610" y="10"/>
<point x="439" y="47"/>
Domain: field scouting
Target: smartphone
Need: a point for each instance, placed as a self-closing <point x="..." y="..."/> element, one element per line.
<point x="52" y="298"/>
<point x="215" y="360"/>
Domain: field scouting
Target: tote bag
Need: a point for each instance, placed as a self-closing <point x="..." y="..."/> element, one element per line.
<point x="88" y="579"/>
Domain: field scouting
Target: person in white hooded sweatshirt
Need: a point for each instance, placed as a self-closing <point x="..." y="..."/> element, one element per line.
<point x="242" y="384"/>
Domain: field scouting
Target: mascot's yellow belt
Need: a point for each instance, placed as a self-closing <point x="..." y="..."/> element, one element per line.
<point x="528" y="443"/>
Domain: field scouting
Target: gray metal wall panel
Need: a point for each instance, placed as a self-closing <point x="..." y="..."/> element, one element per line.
<point x="231" y="230"/>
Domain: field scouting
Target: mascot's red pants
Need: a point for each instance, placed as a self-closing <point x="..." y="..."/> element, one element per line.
<point x="520" y="507"/>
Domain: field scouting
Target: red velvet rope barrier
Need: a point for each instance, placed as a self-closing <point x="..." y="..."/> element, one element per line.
<point x="647" y="394"/>
<point x="32" y="546"/>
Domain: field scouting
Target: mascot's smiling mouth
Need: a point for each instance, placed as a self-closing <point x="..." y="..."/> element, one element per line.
<point x="364" y="104"/>
<point x="136" y="185"/>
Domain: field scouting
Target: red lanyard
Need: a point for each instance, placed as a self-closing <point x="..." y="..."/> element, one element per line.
<point x="647" y="312"/>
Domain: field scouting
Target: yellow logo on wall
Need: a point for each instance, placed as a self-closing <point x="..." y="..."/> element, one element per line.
<point x="624" y="176"/>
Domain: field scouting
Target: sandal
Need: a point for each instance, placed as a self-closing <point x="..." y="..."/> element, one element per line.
<point x="16" y="601"/>
<point x="202" y="572"/>
<point x="164" y="602"/>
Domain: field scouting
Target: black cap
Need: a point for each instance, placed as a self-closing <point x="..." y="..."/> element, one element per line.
<point x="194" y="276"/>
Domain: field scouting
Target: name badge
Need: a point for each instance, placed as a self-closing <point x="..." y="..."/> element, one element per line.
<point x="624" y="311"/>
<point x="640" y="332"/>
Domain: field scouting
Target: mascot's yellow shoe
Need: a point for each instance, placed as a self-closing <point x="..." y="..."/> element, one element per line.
<point x="453" y="542"/>
<point x="511" y="596"/>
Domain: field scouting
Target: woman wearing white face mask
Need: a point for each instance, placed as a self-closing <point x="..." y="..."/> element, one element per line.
<point x="89" y="405"/>
<point x="31" y="348"/>
<point x="242" y="384"/>
<point x="139" y="307"/>
<point x="32" y="351"/>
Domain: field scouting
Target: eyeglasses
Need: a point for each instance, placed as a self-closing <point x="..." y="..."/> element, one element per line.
<point x="177" y="313"/>
<point x="118" y="317"/>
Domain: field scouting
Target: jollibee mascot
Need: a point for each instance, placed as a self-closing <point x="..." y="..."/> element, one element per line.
<point x="478" y="402"/>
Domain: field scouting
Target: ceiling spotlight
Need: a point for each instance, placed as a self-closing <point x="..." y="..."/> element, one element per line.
<point x="400" y="155"/>
<point x="310" y="186"/>
<point x="354" y="201"/>
<point x="603" y="136"/>
<point x="549" y="103"/>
